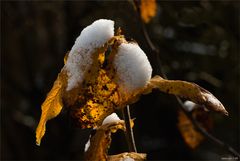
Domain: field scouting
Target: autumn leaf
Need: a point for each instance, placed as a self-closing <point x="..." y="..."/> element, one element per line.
<point x="148" y="9"/>
<point x="189" y="134"/>
<point x="103" y="90"/>
<point x="84" y="86"/>
<point x="189" y="91"/>
<point x="98" y="144"/>
<point x="192" y="137"/>
<point x="51" y="107"/>
<point x="128" y="156"/>
<point x="98" y="101"/>
<point x="101" y="140"/>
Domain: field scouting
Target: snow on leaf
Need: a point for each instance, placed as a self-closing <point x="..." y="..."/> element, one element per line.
<point x="51" y="107"/>
<point x="148" y="9"/>
<point x="190" y="91"/>
<point x="107" y="92"/>
<point x="103" y="73"/>
<point x="131" y="76"/>
<point x="80" y="57"/>
<point x="132" y="156"/>
<point x="111" y="118"/>
<point x="101" y="140"/>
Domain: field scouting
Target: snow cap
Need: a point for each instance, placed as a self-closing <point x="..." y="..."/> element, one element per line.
<point x="111" y="118"/>
<point x="80" y="57"/>
<point x="132" y="67"/>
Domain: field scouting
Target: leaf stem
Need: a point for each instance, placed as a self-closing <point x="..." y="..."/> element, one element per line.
<point x="129" y="131"/>
<point x="197" y="126"/>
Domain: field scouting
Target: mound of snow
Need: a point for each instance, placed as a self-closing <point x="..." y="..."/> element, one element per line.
<point x="80" y="57"/>
<point x="111" y="118"/>
<point x="132" y="67"/>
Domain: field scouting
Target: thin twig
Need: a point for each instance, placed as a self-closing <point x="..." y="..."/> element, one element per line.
<point x="197" y="126"/>
<point x="201" y="130"/>
<point x="129" y="131"/>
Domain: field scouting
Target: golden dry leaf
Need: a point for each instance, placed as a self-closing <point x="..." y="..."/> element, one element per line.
<point x="189" y="134"/>
<point x="51" y="107"/>
<point x="192" y="137"/>
<point x="148" y="9"/>
<point x="99" y="101"/>
<point x="100" y="142"/>
<point x="187" y="90"/>
<point x="127" y="156"/>
<point x="99" y="95"/>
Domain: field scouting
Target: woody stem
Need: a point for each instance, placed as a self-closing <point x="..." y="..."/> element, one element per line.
<point x="129" y="131"/>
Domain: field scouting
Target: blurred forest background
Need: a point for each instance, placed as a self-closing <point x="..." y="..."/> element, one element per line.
<point x="198" y="42"/>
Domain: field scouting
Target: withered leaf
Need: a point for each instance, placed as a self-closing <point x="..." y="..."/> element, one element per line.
<point x="99" y="101"/>
<point x="51" y="107"/>
<point x="148" y="9"/>
<point x="100" y="142"/>
<point x="190" y="91"/>
<point x="192" y="137"/>
<point x="189" y="134"/>
<point x="128" y="156"/>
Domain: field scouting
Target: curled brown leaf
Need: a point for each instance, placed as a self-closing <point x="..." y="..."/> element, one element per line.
<point x="191" y="136"/>
<point x="127" y="156"/>
<point x="187" y="90"/>
<point x="100" y="142"/>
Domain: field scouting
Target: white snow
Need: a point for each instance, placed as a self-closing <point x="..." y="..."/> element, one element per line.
<point x="111" y="118"/>
<point x="189" y="105"/>
<point x="127" y="158"/>
<point x="80" y="57"/>
<point x="87" y="145"/>
<point x="132" y="67"/>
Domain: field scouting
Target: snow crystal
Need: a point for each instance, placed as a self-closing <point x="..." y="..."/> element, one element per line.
<point x="132" y="67"/>
<point x="111" y="118"/>
<point x="80" y="57"/>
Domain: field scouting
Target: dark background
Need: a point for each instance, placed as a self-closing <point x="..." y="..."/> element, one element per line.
<point x="198" y="42"/>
